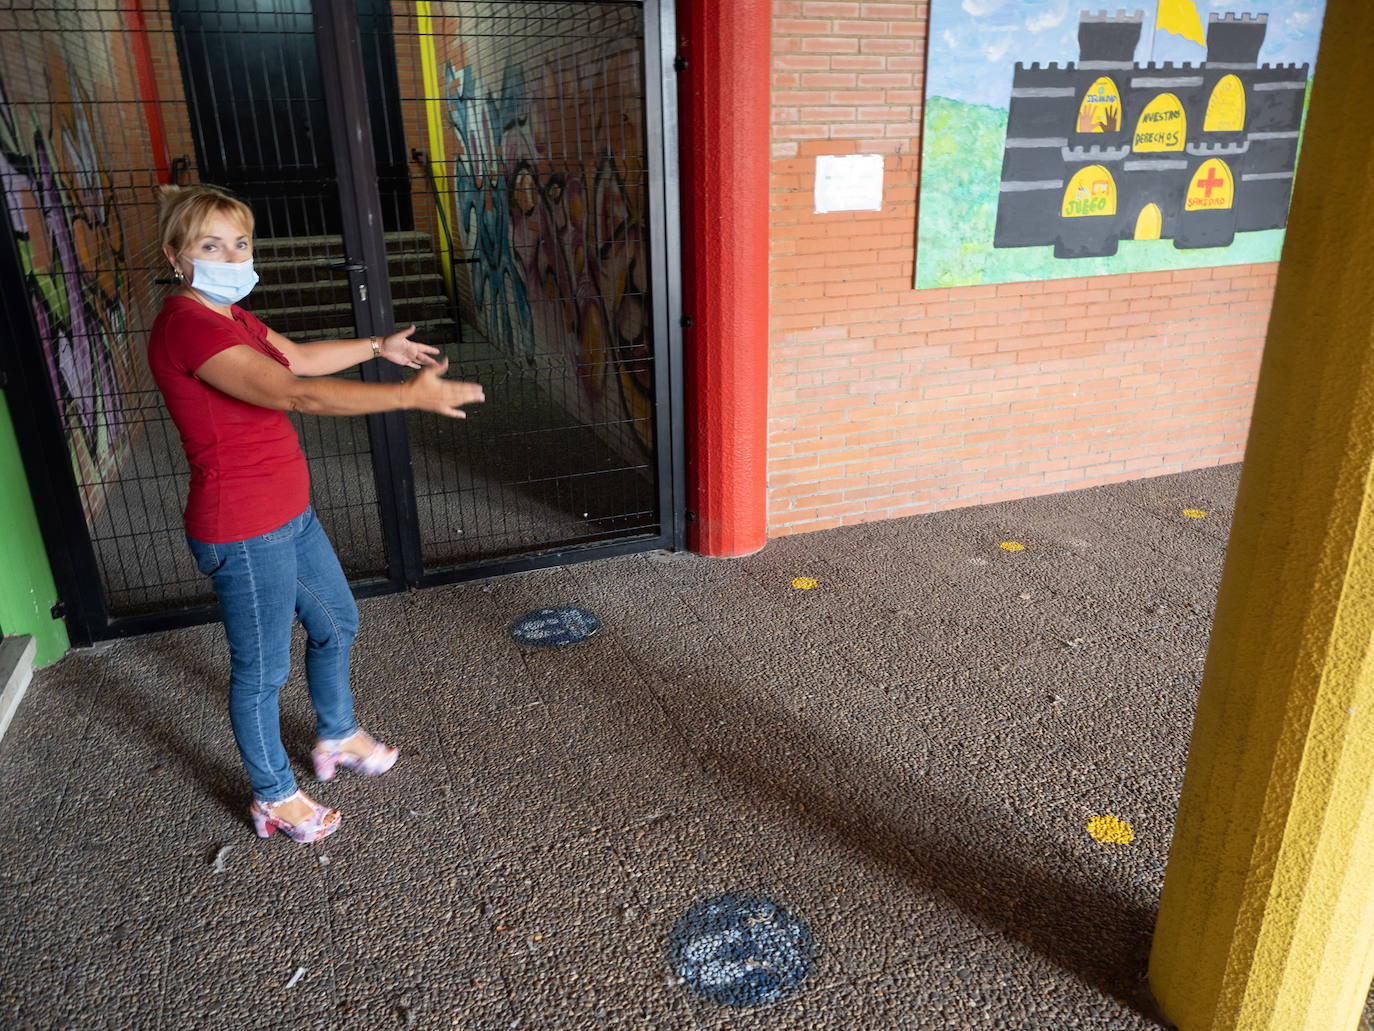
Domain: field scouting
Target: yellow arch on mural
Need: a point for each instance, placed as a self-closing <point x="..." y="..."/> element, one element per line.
<point x="1091" y="191"/>
<point x="1149" y="223"/>
<point x="1100" y="110"/>
<point x="1211" y="187"/>
<point x="1226" y="108"/>
<point x="1162" y="126"/>
<point x="434" y="122"/>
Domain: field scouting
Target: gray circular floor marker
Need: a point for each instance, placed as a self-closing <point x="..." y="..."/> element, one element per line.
<point x="741" y="950"/>
<point x="554" y="628"/>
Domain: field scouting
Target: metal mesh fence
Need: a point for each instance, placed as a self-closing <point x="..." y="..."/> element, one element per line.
<point x="535" y="170"/>
<point x="512" y="184"/>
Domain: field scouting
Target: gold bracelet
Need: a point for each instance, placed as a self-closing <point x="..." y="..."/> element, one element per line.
<point x="376" y="348"/>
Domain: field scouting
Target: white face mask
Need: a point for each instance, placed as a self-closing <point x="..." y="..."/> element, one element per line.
<point x="223" y="282"/>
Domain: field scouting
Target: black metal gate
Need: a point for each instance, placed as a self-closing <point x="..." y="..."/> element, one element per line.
<point x="256" y="97"/>
<point x="501" y="174"/>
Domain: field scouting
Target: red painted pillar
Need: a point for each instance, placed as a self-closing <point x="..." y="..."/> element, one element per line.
<point x="724" y="106"/>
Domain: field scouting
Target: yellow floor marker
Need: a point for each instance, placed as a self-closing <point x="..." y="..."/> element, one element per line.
<point x="1194" y="513"/>
<point x="803" y="583"/>
<point x="1111" y="830"/>
<point x="1012" y="546"/>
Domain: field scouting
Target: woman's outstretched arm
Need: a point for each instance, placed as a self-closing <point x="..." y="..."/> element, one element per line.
<point x="326" y="357"/>
<point x="247" y="374"/>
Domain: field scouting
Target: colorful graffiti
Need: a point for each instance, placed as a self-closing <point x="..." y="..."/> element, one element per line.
<point x="559" y="248"/>
<point x="60" y="203"/>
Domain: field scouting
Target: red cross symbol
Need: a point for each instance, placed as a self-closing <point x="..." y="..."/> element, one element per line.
<point x="1212" y="182"/>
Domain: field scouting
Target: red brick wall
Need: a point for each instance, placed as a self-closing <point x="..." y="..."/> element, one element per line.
<point x="887" y="401"/>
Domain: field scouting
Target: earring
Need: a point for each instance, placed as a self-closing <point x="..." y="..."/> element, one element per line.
<point x="178" y="275"/>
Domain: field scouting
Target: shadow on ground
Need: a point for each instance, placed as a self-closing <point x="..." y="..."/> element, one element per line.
<point x="1027" y="890"/>
<point x="906" y="755"/>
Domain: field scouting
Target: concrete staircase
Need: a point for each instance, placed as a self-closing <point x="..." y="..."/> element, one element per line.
<point x="301" y="296"/>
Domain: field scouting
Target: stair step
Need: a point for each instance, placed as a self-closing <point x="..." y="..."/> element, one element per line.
<point x="321" y="270"/>
<point x="437" y="332"/>
<point x="337" y="322"/>
<point x="316" y="310"/>
<point x="280" y="296"/>
<point x="302" y="249"/>
<point x="311" y="276"/>
<point x="328" y="262"/>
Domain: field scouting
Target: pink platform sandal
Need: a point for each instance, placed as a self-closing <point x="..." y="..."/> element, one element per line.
<point x="319" y="824"/>
<point x="330" y="755"/>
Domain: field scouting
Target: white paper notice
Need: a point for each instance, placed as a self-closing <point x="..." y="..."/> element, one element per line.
<point x="849" y="182"/>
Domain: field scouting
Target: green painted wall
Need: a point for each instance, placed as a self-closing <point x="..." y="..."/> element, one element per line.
<point x="27" y="593"/>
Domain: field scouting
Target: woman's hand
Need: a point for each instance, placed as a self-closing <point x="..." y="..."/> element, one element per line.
<point x="430" y="392"/>
<point x="399" y="348"/>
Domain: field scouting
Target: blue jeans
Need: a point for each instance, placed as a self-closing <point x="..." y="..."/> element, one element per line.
<point x="262" y="584"/>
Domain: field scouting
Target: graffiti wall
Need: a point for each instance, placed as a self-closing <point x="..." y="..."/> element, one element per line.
<point x="545" y="153"/>
<point x="57" y="169"/>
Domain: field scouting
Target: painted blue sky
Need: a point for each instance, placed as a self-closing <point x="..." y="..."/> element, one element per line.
<point x="975" y="43"/>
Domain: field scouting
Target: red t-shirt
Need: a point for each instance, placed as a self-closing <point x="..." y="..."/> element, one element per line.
<point x="248" y="475"/>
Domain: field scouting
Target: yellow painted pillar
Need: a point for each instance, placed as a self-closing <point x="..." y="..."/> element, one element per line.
<point x="1267" y="917"/>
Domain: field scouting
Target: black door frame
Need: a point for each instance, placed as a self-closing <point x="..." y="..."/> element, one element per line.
<point x="345" y="95"/>
<point x="38" y="424"/>
<point x="45" y="454"/>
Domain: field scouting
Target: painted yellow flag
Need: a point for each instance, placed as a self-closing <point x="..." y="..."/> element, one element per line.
<point x="1181" y="18"/>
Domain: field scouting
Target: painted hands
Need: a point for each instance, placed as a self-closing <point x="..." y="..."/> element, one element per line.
<point x="399" y="348"/>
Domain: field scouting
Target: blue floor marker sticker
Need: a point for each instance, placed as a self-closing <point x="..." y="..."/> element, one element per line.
<point x="554" y="628"/>
<point x="741" y="950"/>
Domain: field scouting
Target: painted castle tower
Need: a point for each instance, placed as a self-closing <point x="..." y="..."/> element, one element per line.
<point x="1108" y="149"/>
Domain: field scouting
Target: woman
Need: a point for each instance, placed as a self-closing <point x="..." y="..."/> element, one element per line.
<point x="228" y="381"/>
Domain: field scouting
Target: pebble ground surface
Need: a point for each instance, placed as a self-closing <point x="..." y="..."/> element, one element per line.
<point x="903" y="758"/>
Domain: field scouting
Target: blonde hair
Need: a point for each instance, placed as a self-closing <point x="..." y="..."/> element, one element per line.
<point x="184" y="211"/>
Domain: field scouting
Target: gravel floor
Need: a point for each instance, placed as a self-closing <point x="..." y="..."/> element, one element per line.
<point x="848" y="782"/>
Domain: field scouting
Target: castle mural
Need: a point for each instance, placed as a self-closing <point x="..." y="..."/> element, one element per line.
<point x="1112" y="161"/>
<point x="1109" y="149"/>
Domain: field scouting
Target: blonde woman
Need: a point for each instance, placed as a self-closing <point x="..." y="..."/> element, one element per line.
<point x="228" y="381"/>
